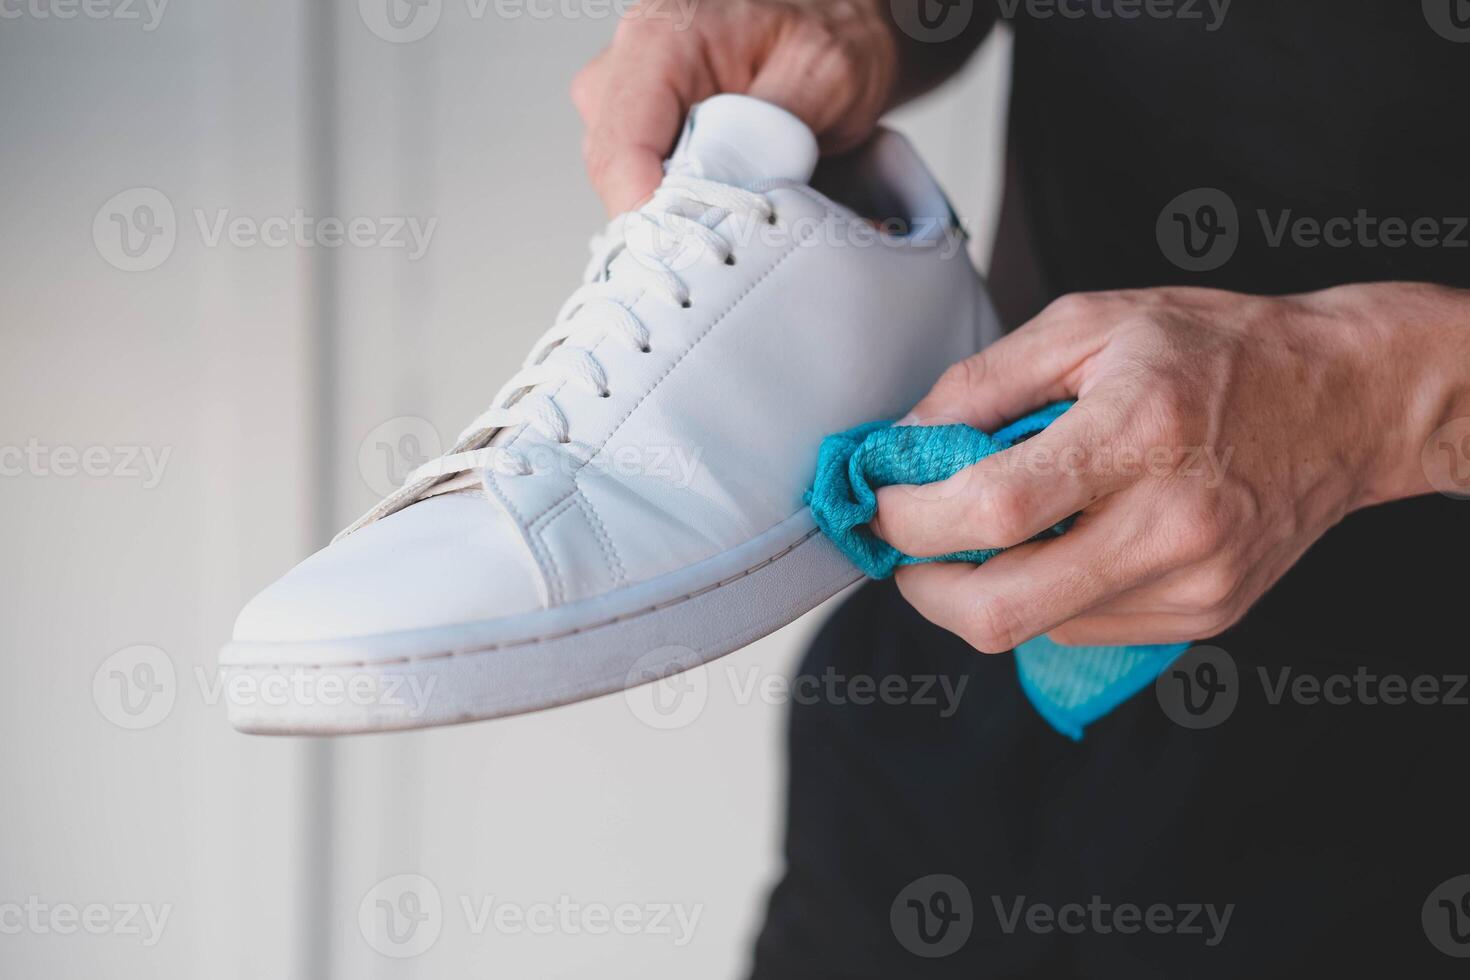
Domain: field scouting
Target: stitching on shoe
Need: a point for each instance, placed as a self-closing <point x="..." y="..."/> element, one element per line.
<point x="550" y="514"/>
<point x="549" y="577"/>
<point x="790" y="251"/>
<point x="545" y="638"/>
<point x="609" y="552"/>
<point x="537" y="533"/>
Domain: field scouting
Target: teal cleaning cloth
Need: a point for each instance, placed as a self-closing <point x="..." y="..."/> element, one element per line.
<point x="1071" y="687"/>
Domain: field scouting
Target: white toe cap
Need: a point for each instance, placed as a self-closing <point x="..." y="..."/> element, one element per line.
<point x="454" y="558"/>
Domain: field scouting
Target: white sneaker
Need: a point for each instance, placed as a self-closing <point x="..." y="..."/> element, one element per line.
<point x="631" y="504"/>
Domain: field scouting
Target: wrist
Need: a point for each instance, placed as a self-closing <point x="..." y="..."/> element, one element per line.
<point x="1412" y="346"/>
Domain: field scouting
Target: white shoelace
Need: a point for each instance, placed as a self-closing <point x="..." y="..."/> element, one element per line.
<point x="681" y="214"/>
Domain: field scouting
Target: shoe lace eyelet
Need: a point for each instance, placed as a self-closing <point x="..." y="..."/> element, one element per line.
<point x="646" y="349"/>
<point x="605" y="394"/>
<point x="685" y="305"/>
<point x="730" y="260"/>
<point x="771" y="218"/>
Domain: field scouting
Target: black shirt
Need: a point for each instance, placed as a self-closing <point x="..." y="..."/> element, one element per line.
<point x="1350" y="115"/>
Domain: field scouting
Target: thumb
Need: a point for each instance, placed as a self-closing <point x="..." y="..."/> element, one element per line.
<point x="633" y="112"/>
<point x="1039" y="363"/>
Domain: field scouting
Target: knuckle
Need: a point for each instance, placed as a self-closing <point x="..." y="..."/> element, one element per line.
<point x="1164" y="417"/>
<point x="582" y="89"/>
<point x="637" y="23"/>
<point x="1209" y="589"/>
<point x="1076" y="462"/>
<point x="824" y="69"/>
<point x="1072" y="306"/>
<point x="1197" y="531"/>
<point x="813" y="35"/>
<point x="597" y="156"/>
<point x="1144" y="323"/>
<point x="1213" y="623"/>
<point x="1190" y="542"/>
<point x="961" y="376"/>
<point x="1179" y="405"/>
<point x="833" y="63"/>
<point x="844" y="12"/>
<point x="1002" y="513"/>
<point x="993" y="626"/>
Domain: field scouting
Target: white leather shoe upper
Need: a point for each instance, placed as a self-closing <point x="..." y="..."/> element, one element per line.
<point x="448" y="559"/>
<point x="637" y="460"/>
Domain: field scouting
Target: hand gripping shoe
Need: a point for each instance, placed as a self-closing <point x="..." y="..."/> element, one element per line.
<point x="631" y="503"/>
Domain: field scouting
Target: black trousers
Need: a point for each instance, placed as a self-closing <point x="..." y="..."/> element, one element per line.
<point x="1293" y="834"/>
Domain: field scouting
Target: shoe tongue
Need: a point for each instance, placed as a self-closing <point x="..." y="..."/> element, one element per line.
<point x="738" y="140"/>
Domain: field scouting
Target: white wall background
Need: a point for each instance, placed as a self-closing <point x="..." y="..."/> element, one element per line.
<point x="273" y="379"/>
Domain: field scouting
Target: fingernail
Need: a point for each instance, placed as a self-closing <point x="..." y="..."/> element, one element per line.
<point x="909" y="419"/>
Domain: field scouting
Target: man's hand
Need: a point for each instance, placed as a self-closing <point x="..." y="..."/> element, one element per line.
<point x="1215" y="437"/>
<point x="831" y="63"/>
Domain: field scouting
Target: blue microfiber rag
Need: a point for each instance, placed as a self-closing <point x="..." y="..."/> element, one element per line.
<point x="1070" y="686"/>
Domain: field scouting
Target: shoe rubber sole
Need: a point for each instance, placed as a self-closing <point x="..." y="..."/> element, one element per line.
<point x="475" y="671"/>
